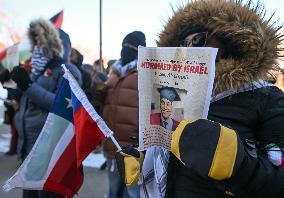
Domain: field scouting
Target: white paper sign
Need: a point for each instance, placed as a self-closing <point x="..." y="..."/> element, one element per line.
<point x="174" y="83"/>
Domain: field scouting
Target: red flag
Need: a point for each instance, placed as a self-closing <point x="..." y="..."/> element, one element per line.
<point x="57" y="19"/>
<point x="3" y="54"/>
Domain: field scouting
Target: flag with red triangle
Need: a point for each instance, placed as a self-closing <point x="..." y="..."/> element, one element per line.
<point x="57" y="19"/>
<point x="19" y="52"/>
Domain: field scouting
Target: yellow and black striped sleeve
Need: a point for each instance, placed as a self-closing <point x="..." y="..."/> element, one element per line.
<point x="207" y="147"/>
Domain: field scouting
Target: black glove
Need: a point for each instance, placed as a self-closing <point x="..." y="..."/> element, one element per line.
<point x="209" y="148"/>
<point x="21" y="77"/>
<point x="129" y="161"/>
<point x="4" y="76"/>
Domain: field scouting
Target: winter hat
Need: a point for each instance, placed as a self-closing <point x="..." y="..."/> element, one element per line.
<point x="44" y="32"/>
<point x="252" y="39"/>
<point x="135" y="38"/>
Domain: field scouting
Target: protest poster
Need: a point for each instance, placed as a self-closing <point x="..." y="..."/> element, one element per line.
<point x="174" y="83"/>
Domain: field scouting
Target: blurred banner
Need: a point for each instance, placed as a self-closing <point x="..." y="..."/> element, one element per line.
<point x="19" y="52"/>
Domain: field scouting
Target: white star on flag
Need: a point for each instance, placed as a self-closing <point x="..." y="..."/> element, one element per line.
<point x="69" y="101"/>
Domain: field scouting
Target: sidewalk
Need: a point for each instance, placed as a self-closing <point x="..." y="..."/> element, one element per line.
<point x="95" y="181"/>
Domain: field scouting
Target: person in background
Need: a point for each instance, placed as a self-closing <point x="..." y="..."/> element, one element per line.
<point x="109" y="65"/>
<point x="12" y="105"/>
<point x="88" y="68"/>
<point x="120" y="110"/>
<point x="226" y="155"/>
<point x="77" y="59"/>
<point x="99" y="76"/>
<point x="97" y="84"/>
<point x="27" y="66"/>
<point x="92" y="81"/>
<point x="50" y="49"/>
<point x="97" y="66"/>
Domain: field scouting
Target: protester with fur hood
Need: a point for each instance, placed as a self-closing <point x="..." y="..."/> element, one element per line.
<point x="50" y="49"/>
<point x="226" y="155"/>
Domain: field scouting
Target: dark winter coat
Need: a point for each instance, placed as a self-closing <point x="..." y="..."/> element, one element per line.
<point x="257" y="116"/>
<point x="13" y="94"/>
<point x="35" y="103"/>
<point x="121" y="111"/>
<point x="37" y="99"/>
<point x="252" y="45"/>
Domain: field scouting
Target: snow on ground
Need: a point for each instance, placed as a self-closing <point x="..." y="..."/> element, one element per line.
<point x="4" y="142"/>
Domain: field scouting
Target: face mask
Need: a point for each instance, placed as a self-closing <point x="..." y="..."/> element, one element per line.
<point x="127" y="55"/>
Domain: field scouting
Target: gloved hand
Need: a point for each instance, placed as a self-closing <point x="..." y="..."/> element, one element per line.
<point x="208" y="148"/>
<point x="129" y="162"/>
<point x="4" y="76"/>
<point x="21" y="77"/>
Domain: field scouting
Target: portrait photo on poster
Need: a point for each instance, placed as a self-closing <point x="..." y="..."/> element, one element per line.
<point x="166" y="106"/>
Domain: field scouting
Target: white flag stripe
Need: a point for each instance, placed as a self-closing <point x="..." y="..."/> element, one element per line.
<point x="18" y="180"/>
<point x="85" y="102"/>
<point x="60" y="147"/>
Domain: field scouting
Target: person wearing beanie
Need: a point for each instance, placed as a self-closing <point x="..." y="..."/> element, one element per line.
<point x="130" y="46"/>
<point x="50" y="49"/>
<point x="120" y="110"/>
<point x="226" y="155"/>
<point x="129" y="52"/>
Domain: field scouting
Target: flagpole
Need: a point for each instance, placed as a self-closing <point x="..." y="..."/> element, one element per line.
<point x="115" y="143"/>
<point x="70" y="77"/>
<point x="68" y="74"/>
<point x="101" y="61"/>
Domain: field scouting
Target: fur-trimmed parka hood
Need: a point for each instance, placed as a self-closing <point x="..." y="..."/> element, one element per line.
<point x="251" y="38"/>
<point x="44" y="32"/>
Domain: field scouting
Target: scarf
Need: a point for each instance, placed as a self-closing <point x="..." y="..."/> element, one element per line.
<point x="124" y="69"/>
<point x="153" y="179"/>
<point x="38" y="62"/>
<point x="127" y="55"/>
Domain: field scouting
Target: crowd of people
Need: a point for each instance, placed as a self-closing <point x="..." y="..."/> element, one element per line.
<point x="246" y="107"/>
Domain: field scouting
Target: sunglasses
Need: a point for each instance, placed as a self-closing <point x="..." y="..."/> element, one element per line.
<point x="199" y="40"/>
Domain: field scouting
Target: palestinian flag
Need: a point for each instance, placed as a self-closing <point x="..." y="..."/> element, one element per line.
<point x="57" y="19"/>
<point x="17" y="53"/>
